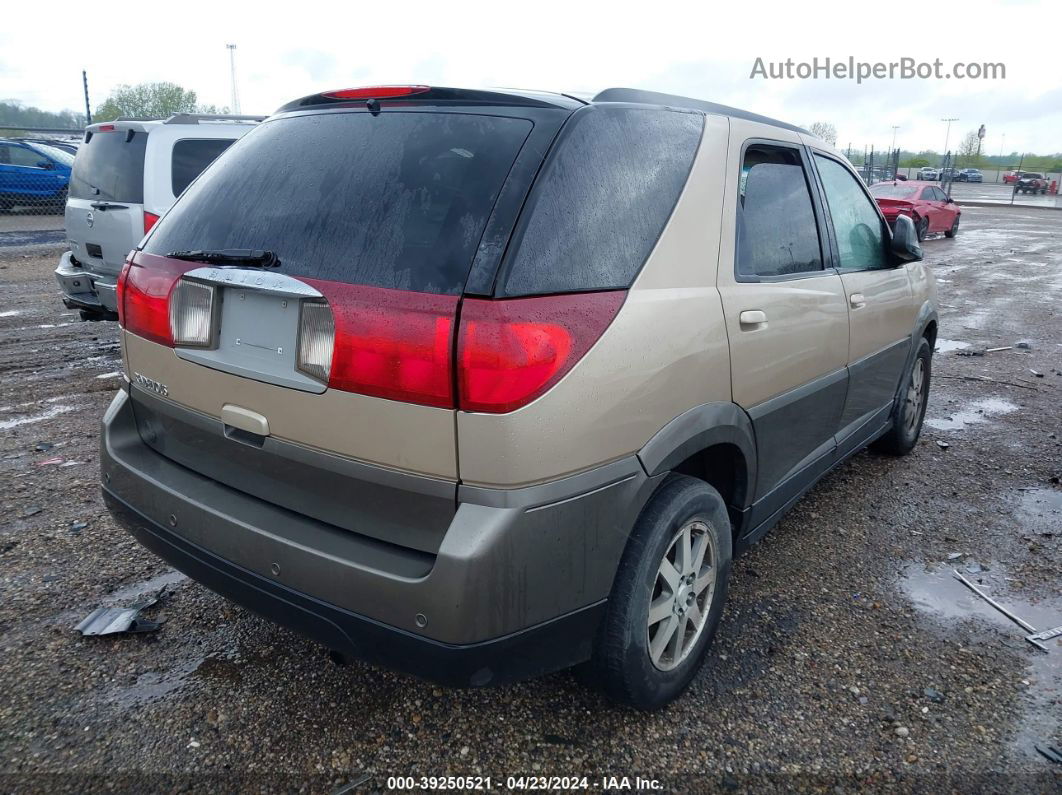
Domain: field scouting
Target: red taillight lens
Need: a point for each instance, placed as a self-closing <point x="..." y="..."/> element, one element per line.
<point x="391" y="343"/>
<point x="149" y="221"/>
<point x="105" y="128"/>
<point x="375" y="92"/>
<point x="510" y="352"/>
<point x="143" y="295"/>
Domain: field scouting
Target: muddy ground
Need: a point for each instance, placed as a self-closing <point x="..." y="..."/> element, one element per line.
<point x="848" y="656"/>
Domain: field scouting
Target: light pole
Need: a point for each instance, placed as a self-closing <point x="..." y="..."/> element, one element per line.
<point x="947" y="133"/>
<point x="895" y="127"/>
<point x="999" y="165"/>
<point x="232" y="67"/>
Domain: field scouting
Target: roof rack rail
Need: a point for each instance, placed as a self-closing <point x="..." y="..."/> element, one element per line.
<point x="195" y="118"/>
<point x="635" y="95"/>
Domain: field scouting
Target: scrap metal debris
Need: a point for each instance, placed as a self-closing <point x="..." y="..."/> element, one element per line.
<point x="1032" y="637"/>
<point x="112" y="620"/>
<point x="1050" y="753"/>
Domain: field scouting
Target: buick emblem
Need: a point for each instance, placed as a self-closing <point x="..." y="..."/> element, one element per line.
<point x="89" y="219"/>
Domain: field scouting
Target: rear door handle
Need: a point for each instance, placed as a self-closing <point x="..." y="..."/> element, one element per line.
<point x="753" y="318"/>
<point x="857" y="300"/>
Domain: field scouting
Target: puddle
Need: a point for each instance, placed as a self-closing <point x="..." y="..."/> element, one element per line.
<point x="1041" y="511"/>
<point x="976" y="412"/>
<point x="944" y="346"/>
<point x="10" y="313"/>
<point x="55" y="411"/>
<point x="936" y="593"/>
<point x="115" y="374"/>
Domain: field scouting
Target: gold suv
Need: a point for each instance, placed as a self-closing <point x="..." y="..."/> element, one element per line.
<point x="481" y="385"/>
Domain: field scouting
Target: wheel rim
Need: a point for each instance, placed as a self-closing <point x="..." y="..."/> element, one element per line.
<point x="682" y="595"/>
<point x="923" y="227"/>
<point x="915" y="397"/>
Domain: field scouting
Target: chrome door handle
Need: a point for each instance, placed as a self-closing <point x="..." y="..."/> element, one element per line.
<point x="753" y="317"/>
<point x="857" y="300"/>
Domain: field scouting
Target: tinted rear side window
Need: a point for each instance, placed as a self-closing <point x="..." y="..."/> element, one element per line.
<point x="190" y="157"/>
<point x="602" y="200"/>
<point x="777" y="233"/>
<point x="398" y="200"/>
<point x="110" y="167"/>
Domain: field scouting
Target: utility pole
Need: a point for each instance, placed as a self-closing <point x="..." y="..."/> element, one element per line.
<point x="232" y="66"/>
<point x="947" y="134"/>
<point x="895" y="127"/>
<point x="999" y="165"/>
<point x="88" y="111"/>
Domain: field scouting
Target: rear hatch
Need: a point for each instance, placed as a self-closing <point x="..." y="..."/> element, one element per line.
<point x="309" y="360"/>
<point x="104" y="211"/>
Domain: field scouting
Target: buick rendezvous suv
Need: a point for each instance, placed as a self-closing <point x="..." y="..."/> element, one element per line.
<point x="482" y="385"/>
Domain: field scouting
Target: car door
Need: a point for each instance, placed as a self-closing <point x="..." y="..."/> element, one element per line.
<point x="25" y="179"/>
<point x="945" y="211"/>
<point x="929" y="206"/>
<point x="878" y="292"/>
<point x="785" y="313"/>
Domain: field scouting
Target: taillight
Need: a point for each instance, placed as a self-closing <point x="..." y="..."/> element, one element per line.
<point x="149" y="221"/>
<point x="192" y="314"/>
<point x="392" y="344"/>
<point x="143" y="295"/>
<point x="510" y="352"/>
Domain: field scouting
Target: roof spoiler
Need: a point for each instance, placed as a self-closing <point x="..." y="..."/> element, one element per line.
<point x="195" y="118"/>
<point x="634" y="95"/>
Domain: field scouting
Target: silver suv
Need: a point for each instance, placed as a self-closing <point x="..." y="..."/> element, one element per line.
<point x="482" y="385"/>
<point x="126" y="174"/>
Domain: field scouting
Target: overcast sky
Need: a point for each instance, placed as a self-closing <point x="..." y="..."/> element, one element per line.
<point x="700" y="49"/>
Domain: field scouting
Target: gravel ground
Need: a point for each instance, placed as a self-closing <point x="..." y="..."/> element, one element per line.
<point x="848" y="656"/>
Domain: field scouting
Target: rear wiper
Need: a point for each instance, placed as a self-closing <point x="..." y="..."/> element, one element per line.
<point x="231" y="256"/>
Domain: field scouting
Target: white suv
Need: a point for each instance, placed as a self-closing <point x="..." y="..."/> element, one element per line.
<point x="127" y="174"/>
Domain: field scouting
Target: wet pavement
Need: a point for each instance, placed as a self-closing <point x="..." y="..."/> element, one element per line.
<point x="849" y="658"/>
<point x="1001" y="194"/>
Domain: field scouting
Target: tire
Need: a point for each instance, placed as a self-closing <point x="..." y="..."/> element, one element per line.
<point x="910" y="409"/>
<point x="626" y="664"/>
<point x="954" y="228"/>
<point x="922" y="228"/>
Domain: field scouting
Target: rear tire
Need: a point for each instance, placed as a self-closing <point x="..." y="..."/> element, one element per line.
<point x="922" y="228"/>
<point x="954" y="228"/>
<point x="910" y="409"/>
<point x="667" y="597"/>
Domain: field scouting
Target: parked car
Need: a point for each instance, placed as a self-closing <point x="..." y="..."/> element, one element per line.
<point x="969" y="175"/>
<point x="376" y="278"/>
<point x="70" y="147"/>
<point x="1010" y="177"/>
<point x="1031" y="182"/>
<point x="928" y="173"/>
<point x="948" y="174"/>
<point x="33" y="175"/>
<point x="931" y="210"/>
<point x="125" y="176"/>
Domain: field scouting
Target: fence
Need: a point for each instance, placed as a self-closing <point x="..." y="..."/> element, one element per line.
<point x="35" y="167"/>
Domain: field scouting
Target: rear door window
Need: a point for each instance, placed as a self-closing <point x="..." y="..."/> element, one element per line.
<point x="190" y="157"/>
<point x="397" y="200"/>
<point x="777" y="232"/>
<point x="601" y="200"/>
<point x="110" y="167"/>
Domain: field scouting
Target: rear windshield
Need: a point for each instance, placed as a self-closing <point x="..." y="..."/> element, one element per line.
<point x="602" y="200"/>
<point x="110" y="167"/>
<point x="889" y="191"/>
<point x="397" y="200"/>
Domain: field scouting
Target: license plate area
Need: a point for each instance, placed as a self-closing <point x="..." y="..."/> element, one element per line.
<point x="258" y="339"/>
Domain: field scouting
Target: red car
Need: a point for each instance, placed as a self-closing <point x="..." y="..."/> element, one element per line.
<point x="1010" y="177"/>
<point x="924" y="203"/>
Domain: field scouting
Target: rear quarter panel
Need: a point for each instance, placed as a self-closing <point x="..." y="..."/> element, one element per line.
<point x="665" y="352"/>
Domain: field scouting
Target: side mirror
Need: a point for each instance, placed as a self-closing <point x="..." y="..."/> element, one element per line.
<point x="905" y="245"/>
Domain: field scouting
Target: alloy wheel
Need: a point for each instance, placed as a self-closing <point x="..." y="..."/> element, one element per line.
<point x="915" y="397"/>
<point x="682" y="595"/>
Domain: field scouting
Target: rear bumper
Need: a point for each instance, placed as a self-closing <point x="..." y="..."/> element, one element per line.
<point x="517" y="587"/>
<point x="83" y="289"/>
